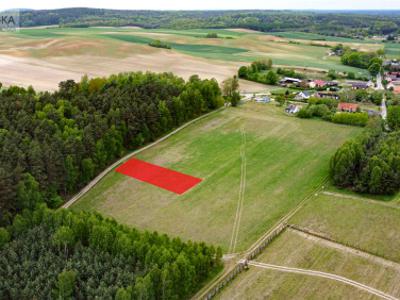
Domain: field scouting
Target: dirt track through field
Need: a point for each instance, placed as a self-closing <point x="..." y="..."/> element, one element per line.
<point x="320" y="274"/>
<point x="242" y="190"/>
<point x="344" y="248"/>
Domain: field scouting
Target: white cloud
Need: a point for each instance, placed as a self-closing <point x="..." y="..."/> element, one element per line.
<point x="204" y="4"/>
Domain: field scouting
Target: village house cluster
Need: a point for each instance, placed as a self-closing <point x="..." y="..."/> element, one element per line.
<point x="325" y="90"/>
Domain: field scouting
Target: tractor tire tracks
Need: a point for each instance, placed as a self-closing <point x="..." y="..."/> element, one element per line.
<point x="320" y="274"/>
<point x="242" y="190"/>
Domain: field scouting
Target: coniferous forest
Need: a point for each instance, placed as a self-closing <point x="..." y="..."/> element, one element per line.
<point x="63" y="255"/>
<point x="52" y="144"/>
<point x="344" y="23"/>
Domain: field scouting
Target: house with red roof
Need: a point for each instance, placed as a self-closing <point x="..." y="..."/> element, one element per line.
<point x="396" y="90"/>
<point x="347" y="107"/>
<point x="317" y="84"/>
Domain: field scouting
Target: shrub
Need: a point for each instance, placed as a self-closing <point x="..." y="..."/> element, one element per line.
<point x="393" y="117"/>
<point x="358" y="119"/>
<point x="159" y="44"/>
<point x="304" y="113"/>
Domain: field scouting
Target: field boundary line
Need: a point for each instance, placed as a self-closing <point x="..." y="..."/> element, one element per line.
<point x="325" y="275"/>
<point x="99" y="177"/>
<point x="286" y="217"/>
<point x="210" y="290"/>
<point x="319" y="238"/>
<point x="242" y="190"/>
<point x="367" y="200"/>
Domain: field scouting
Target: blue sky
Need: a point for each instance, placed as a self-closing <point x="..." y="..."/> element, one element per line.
<point x="204" y="4"/>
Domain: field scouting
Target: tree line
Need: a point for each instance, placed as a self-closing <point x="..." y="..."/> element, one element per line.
<point x="344" y="24"/>
<point x="372" y="61"/>
<point x="48" y="254"/>
<point x="52" y="144"/>
<point x="370" y="163"/>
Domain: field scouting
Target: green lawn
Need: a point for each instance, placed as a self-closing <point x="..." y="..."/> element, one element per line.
<point x="293" y="250"/>
<point x="366" y="224"/>
<point x="287" y="158"/>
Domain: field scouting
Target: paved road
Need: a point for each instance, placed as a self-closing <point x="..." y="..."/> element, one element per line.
<point x="330" y="276"/>
<point x="380" y="87"/>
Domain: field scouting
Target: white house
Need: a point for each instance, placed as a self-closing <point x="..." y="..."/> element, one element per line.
<point x="303" y="95"/>
<point x="292" y="109"/>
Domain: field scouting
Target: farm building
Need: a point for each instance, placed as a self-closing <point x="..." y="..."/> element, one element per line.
<point x="347" y="107"/>
<point x="361" y="85"/>
<point x="289" y="80"/>
<point x="328" y="95"/>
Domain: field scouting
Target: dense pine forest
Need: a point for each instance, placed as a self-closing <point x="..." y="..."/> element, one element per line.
<point x="352" y="24"/>
<point x="67" y="255"/>
<point x="52" y="144"/>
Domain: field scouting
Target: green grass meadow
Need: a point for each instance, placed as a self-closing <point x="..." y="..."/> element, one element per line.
<point x="293" y="250"/>
<point x="287" y="158"/>
<point x="370" y="225"/>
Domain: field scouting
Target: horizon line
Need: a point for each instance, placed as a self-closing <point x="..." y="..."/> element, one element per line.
<point x="215" y="9"/>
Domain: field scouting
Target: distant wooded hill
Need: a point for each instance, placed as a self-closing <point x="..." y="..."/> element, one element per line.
<point x="350" y="23"/>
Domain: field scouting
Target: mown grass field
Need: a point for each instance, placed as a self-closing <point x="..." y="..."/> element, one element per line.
<point x="293" y="250"/>
<point x="287" y="158"/>
<point x="370" y="225"/>
<point x="233" y="46"/>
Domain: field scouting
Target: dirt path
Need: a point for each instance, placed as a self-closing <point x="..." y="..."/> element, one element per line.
<point x="99" y="177"/>
<point x="330" y="276"/>
<point x="371" y="201"/>
<point x="286" y="217"/>
<point x="282" y="222"/>
<point x="242" y="190"/>
<point x="344" y="248"/>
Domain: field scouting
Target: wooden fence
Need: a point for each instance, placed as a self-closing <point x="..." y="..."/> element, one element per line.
<point x="225" y="279"/>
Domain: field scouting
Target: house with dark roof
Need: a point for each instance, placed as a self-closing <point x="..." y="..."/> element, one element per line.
<point x="329" y="95"/>
<point x="360" y="85"/>
<point x="289" y="80"/>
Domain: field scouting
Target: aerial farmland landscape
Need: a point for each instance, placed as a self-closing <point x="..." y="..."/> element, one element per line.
<point x="168" y="150"/>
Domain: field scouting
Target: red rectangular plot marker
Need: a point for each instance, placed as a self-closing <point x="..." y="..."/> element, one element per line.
<point x="162" y="177"/>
